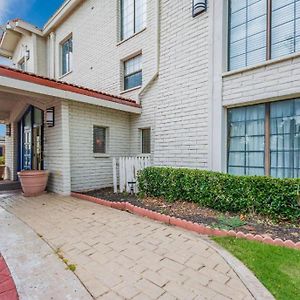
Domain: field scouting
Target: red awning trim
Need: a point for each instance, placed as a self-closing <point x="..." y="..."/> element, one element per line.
<point x="61" y="85"/>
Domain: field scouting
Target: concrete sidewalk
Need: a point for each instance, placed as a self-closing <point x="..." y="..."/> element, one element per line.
<point x="36" y="270"/>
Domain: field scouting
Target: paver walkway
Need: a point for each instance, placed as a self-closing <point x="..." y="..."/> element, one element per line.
<point x="122" y="256"/>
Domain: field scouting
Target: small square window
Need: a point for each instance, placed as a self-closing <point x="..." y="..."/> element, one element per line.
<point x="133" y="74"/>
<point x="67" y="56"/>
<point x="146" y="140"/>
<point x="100" y="139"/>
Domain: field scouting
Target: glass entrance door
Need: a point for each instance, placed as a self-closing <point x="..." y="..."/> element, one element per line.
<point x="27" y="141"/>
<point x="31" y="140"/>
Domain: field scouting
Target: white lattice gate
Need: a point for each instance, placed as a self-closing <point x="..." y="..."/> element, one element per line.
<point x="125" y="170"/>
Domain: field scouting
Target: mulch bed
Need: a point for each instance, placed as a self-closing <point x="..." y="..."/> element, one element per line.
<point x="192" y="212"/>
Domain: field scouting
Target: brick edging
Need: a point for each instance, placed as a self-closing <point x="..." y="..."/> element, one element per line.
<point x="8" y="288"/>
<point x="195" y="227"/>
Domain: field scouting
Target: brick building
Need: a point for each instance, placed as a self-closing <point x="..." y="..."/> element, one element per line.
<point x="201" y="84"/>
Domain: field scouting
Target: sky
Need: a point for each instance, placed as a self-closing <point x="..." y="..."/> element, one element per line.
<point x="36" y="12"/>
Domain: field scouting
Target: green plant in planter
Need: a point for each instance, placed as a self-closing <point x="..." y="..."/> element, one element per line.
<point x="229" y="223"/>
<point x="2" y="161"/>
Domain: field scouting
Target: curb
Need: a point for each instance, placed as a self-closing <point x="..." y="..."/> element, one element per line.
<point x="8" y="288"/>
<point x="195" y="227"/>
<point x="254" y="286"/>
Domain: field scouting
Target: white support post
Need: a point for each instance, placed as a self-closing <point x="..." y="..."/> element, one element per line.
<point x="114" y="165"/>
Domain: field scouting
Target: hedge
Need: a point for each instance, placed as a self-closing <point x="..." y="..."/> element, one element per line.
<point x="278" y="199"/>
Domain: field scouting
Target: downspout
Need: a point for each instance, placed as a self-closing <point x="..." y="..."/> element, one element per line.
<point x="156" y="73"/>
<point x="52" y="55"/>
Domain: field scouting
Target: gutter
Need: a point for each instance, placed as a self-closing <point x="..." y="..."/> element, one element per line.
<point x="156" y="73"/>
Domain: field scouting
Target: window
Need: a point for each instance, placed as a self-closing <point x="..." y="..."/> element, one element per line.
<point x="246" y="140"/>
<point x="133" y="17"/>
<point x="260" y="30"/>
<point x="67" y="56"/>
<point x="285" y="27"/>
<point x="133" y="72"/>
<point x="264" y="139"/>
<point x="100" y="139"/>
<point x="247" y="32"/>
<point x="146" y="140"/>
<point x="285" y="138"/>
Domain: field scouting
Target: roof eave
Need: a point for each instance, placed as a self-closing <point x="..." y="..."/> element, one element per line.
<point x="67" y="7"/>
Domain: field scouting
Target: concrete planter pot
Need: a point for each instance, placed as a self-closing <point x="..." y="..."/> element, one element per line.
<point x="33" y="182"/>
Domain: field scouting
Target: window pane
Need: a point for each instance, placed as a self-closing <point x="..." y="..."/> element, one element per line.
<point x="133" y="72"/>
<point x="99" y="139"/>
<point x="67" y="52"/>
<point x="246" y="143"/>
<point x="285" y="138"/>
<point x="127" y="18"/>
<point x="140" y="14"/>
<point x="133" y="65"/>
<point x="146" y="140"/>
<point x="247" y="37"/>
<point x="284" y="27"/>
<point x="133" y="17"/>
<point x="132" y="81"/>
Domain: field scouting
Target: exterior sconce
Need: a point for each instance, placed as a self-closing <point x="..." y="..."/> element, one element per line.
<point x="8" y="129"/>
<point x="199" y="6"/>
<point x="27" y="55"/>
<point x="50" y="117"/>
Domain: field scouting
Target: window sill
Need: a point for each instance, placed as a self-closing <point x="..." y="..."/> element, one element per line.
<point x="132" y="36"/>
<point x="64" y="75"/>
<point x="130" y="90"/>
<point x="260" y="65"/>
<point x="144" y="155"/>
<point x="101" y="155"/>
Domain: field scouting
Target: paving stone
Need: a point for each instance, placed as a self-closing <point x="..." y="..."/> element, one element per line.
<point x="123" y="256"/>
<point x="155" y="277"/>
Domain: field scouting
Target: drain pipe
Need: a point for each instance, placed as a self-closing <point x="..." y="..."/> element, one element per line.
<point x="155" y="75"/>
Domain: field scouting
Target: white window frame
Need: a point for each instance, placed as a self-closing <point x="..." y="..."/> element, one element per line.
<point x="135" y="30"/>
<point x="69" y="67"/>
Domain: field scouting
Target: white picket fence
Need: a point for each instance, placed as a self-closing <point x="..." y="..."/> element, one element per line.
<point x="125" y="170"/>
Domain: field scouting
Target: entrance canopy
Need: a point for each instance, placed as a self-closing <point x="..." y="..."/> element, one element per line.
<point x="18" y="88"/>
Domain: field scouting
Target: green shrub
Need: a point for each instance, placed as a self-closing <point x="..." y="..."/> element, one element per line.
<point x="2" y="161"/>
<point x="278" y="199"/>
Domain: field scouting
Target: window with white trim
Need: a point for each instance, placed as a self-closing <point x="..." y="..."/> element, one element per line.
<point x="133" y="74"/>
<point x="133" y="17"/>
<point x="66" y="56"/>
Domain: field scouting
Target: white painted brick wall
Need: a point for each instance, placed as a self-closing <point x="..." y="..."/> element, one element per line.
<point x="11" y="153"/>
<point x="88" y="171"/>
<point x="57" y="150"/>
<point x="272" y="81"/>
<point x="175" y="106"/>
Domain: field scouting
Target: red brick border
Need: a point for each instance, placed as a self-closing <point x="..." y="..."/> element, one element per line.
<point x="195" y="227"/>
<point x="8" y="290"/>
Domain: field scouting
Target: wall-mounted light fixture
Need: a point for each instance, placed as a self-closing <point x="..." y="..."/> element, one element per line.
<point x="50" y="117"/>
<point x="8" y="129"/>
<point x="27" y="54"/>
<point x="199" y="6"/>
